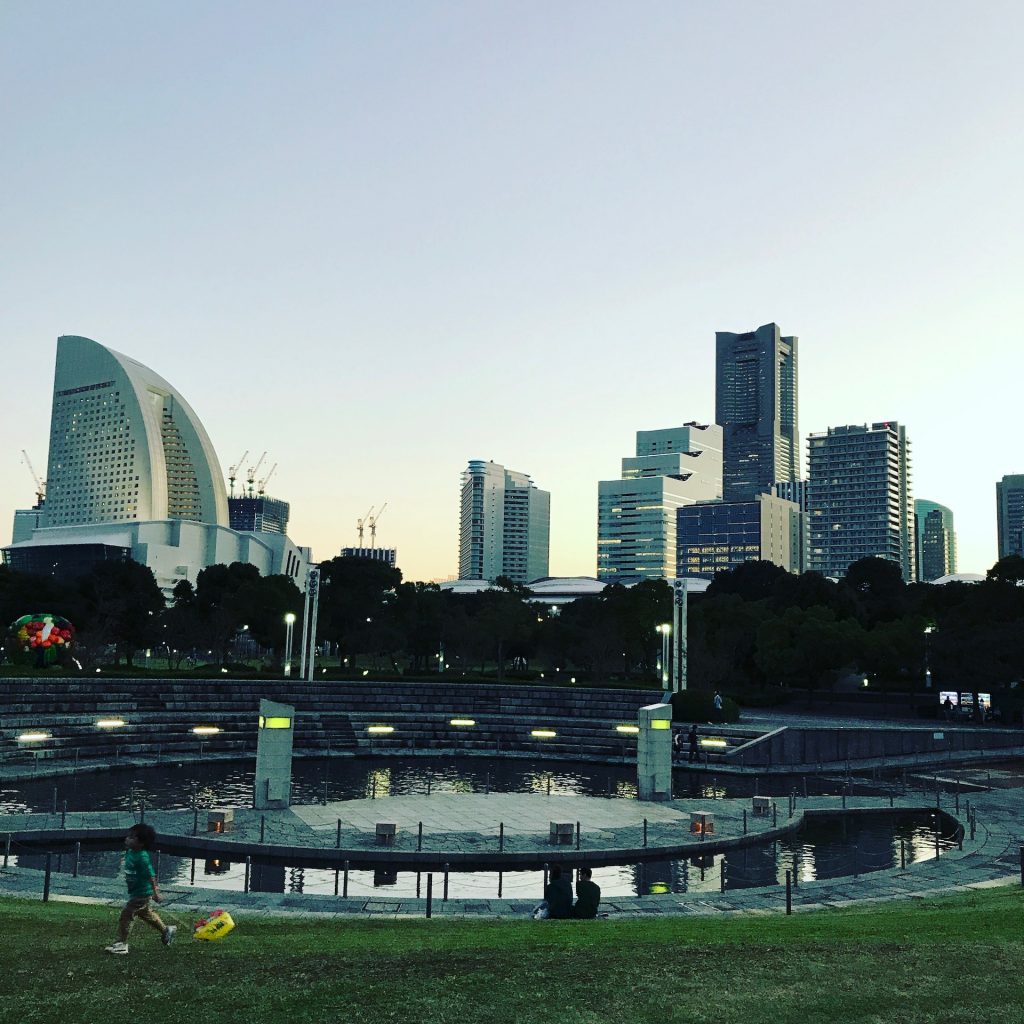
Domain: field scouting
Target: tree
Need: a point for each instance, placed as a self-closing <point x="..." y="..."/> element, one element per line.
<point x="356" y="604"/>
<point x="121" y="600"/>
<point x="1008" y="570"/>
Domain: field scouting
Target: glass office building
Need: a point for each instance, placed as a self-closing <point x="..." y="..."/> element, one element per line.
<point x="935" y="539"/>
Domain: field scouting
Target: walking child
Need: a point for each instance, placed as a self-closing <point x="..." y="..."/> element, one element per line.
<point x="142" y="887"/>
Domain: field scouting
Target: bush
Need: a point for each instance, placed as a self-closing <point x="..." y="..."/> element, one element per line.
<point x="699" y="706"/>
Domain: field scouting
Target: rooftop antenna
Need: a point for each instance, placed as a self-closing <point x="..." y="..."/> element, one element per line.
<point x="233" y="472"/>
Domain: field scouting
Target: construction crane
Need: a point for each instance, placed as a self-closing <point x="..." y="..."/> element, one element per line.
<point x="251" y="478"/>
<point x="40" y="484"/>
<point x="233" y="472"/>
<point x="373" y="526"/>
<point x="359" y="526"/>
<point x="266" y="480"/>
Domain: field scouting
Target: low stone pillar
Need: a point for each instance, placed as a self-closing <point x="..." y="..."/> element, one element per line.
<point x="654" y="752"/>
<point x="273" y="784"/>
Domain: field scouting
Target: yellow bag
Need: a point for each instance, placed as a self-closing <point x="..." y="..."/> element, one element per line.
<point x="214" y="927"/>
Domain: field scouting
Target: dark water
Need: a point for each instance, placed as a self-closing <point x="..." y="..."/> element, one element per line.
<point x="821" y="850"/>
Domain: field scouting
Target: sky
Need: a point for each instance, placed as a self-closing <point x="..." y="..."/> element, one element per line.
<point x="380" y="240"/>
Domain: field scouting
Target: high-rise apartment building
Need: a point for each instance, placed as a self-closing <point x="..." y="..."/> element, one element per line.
<point x="504" y="525"/>
<point x="258" y="514"/>
<point x="1010" y="514"/>
<point x="716" y="536"/>
<point x="756" y="405"/>
<point x="859" y="498"/>
<point x="132" y="474"/>
<point x="935" y="539"/>
<point x="636" y="515"/>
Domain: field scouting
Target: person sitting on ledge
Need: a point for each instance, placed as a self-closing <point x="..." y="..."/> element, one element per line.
<point x="588" y="895"/>
<point x="557" y="897"/>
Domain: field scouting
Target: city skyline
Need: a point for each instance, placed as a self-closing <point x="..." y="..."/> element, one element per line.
<point x="362" y="243"/>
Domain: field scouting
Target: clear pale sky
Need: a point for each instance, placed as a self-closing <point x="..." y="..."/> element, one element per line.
<point x="378" y="240"/>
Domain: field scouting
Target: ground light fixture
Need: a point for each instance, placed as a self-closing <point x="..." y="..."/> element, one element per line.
<point x="631" y="729"/>
<point x="206" y="730"/>
<point x="32" y="737"/>
<point x="110" y="723"/>
<point x="380" y="730"/>
<point x="714" y="742"/>
<point x="462" y="721"/>
<point x="543" y="734"/>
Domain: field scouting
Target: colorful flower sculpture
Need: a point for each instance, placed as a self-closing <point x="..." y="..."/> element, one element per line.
<point x="42" y="638"/>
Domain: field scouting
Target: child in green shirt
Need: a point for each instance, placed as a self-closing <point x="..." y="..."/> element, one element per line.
<point x="142" y="886"/>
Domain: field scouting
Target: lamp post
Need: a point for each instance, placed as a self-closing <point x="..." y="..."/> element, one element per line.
<point x="665" y="629"/>
<point x="929" y="630"/>
<point x="313" y="592"/>
<point x="289" y="627"/>
<point x="679" y="614"/>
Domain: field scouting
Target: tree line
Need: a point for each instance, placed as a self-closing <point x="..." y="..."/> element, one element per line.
<point x="756" y="627"/>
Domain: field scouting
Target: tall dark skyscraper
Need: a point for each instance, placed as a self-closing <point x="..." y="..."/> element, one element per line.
<point x="756" y="406"/>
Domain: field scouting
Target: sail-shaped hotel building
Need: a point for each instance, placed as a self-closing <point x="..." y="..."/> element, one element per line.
<point x="132" y="474"/>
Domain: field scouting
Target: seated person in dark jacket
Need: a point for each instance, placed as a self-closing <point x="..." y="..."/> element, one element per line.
<point x="558" y="894"/>
<point x="588" y="895"/>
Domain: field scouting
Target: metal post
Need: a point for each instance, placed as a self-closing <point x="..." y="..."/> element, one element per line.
<point x="192" y="876"/>
<point x="142" y="811"/>
<point x="487" y="784"/>
<point x="545" y="876"/>
<point x="336" y="878"/>
<point x="789" y="892"/>
<point x="430" y="894"/>
<point x="445" y="897"/>
<point x="775" y="814"/>
<point x="248" y="868"/>
<point x="703" y="827"/>
<point x="344" y="885"/>
<point x="417" y="885"/>
<point x="54" y="799"/>
<point x="501" y="837"/>
<point x="305" y="628"/>
<point x="63" y="815"/>
<point x="419" y="838"/>
<point x="46" y="878"/>
<point x="577" y="835"/>
<point x="903" y="855"/>
<point x="722" y="873"/>
<point x="744" y="821"/>
<point x="936" y="837"/>
<point x="645" y="833"/>
<point x="796" y="873"/>
<point x="314" y="587"/>
<point x="7" y="849"/>
<point x="428" y="785"/>
<point x="373" y="791"/>
<point x="549" y="785"/>
<point x="337" y="840"/>
<point x="195" y="820"/>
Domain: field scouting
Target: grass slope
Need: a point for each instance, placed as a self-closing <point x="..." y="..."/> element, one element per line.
<point x="955" y="959"/>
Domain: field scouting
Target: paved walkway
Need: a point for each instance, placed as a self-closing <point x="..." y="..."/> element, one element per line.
<point x="992" y="857"/>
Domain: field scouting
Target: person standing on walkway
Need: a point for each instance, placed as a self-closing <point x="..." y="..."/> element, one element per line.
<point x="718" y="706"/>
<point x="693" y="742"/>
<point x="142" y="887"/>
<point x="588" y="895"/>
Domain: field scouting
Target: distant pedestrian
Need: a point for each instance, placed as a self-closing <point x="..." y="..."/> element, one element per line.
<point x="142" y="887"/>
<point x="693" y="742"/>
<point x="947" y="707"/>
<point x="718" y="706"/>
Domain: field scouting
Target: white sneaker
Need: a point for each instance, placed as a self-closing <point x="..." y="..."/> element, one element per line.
<point x="118" y="949"/>
<point x="168" y="936"/>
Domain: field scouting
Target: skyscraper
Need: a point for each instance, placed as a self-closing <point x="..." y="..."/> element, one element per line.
<point x="859" y="498"/>
<point x="504" y="525"/>
<point x="1010" y="514"/>
<point x="935" y="538"/>
<point x="756" y="405"/>
<point x="636" y="515"/>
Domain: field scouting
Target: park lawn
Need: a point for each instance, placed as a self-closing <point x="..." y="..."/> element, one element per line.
<point x="957" y="958"/>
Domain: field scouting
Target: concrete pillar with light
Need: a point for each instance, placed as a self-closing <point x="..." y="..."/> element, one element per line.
<point x="289" y="631"/>
<point x="654" y="752"/>
<point x="272" y="787"/>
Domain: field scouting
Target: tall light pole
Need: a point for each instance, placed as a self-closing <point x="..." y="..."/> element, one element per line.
<point x="665" y="629"/>
<point x="289" y="628"/>
<point x="313" y="590"/>
<point x="679" y="616"/>
<point x="312" y="597"/>
<point x="928" y="630"/>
